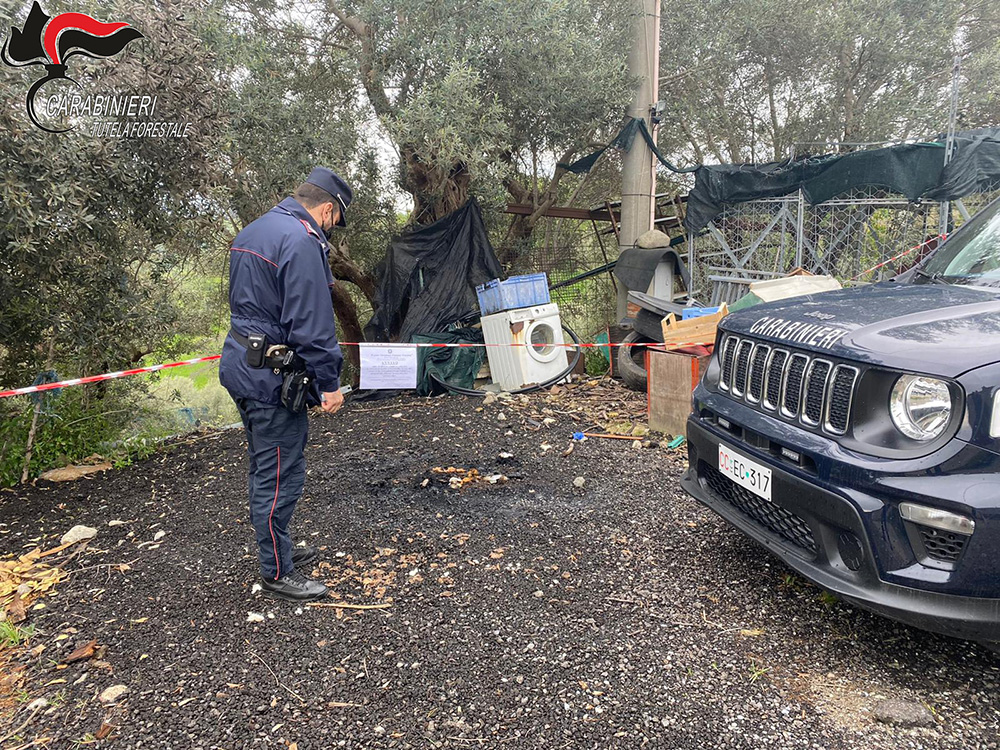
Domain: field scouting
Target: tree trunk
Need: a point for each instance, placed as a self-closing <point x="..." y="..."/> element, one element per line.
<point x="344" y="268"/>
<point x="350" y="327"/>
<point x="436" y="191"/>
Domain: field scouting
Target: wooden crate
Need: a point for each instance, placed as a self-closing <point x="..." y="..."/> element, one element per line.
<point x="680" y="333"/>
<point x="672" y="377"/>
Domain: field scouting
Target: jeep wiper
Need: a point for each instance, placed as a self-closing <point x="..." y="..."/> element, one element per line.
<point x="933" y="278"/>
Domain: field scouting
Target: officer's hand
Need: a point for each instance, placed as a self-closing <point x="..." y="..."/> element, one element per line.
<point x="332" y="401"/>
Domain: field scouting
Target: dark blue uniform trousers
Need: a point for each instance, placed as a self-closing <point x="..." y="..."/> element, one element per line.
<point x="276" y="439"/>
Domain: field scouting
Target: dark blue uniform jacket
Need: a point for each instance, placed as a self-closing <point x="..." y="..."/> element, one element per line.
<point x="279" y="285"/>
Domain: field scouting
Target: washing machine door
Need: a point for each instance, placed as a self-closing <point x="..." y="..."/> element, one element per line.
<point x="541" y="341"/>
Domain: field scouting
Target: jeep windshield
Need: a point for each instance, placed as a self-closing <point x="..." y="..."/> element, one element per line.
<point x="971" y="257"/>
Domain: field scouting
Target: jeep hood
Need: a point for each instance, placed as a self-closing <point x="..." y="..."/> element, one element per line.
<point x="938" y="329"/>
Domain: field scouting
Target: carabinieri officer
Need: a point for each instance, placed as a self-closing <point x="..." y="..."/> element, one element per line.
<point x="281" y="355"/>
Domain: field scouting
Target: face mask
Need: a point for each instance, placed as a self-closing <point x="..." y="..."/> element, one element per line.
<point x="328" y="230"/>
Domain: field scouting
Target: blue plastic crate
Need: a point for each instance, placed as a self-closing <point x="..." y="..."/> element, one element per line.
<point x="697" y="312"/>
<point x="489" y="297"/>
<point x="514" y="293"/>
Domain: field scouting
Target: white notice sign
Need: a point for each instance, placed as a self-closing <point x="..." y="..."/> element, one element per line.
<point x="388" y="366"/>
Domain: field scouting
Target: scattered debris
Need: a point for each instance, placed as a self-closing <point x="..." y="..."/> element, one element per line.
<point x="458" y="478"/>
<point x="111" y="695"/>
<point x="255" y="617"/>
<point x="676" y="443"/>
<point x="78" y="534"/>
<point x="23" y="580"/>
<point x="159" y="535"/>
<point x="579" y="482"/>
<point x="116" y="523"/>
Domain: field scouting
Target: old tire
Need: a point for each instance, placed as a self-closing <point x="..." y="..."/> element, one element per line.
<point x="632" y="361"/>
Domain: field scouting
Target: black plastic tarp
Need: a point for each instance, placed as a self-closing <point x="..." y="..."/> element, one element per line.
<point x="974" y="167"/>
<point x="915" y="170"/>
<point x="623" y="141"/>
<point x="428" y="277"/>
<point x="637" y="265"/>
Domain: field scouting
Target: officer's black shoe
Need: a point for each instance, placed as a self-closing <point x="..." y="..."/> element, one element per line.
<point x="303" y="555"/>
<point x="294" y="586"/>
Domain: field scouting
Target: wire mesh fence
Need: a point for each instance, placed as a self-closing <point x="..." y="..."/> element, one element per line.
<point x="864" y="236"/>
<point x="565" y="249"/>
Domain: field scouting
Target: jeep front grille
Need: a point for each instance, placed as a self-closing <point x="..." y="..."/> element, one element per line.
<point x="773" y="517"/>
<point x="799" y="386"/>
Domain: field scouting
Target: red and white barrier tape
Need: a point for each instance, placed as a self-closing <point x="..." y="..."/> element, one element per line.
<point x="903" y="254"/>
<point x="106" y="376"/>
<point x="212" y="357"/>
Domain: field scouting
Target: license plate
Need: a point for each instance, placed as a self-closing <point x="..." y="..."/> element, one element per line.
<point x="744" y="472"/>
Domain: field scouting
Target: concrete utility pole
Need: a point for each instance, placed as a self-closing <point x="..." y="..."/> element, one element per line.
<point x="639" y="172"/>
<point x="949" y="146"/>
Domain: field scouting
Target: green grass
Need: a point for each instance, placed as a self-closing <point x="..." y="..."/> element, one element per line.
<point x="12" y="635"/>
<point x="827" y="598"/>
<point x="757" y="670"/>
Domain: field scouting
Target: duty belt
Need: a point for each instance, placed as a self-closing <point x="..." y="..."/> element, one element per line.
<point x="279" y="357"/>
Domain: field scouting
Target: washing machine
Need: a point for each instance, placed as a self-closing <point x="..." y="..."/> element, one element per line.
<point x="538" y="354"/>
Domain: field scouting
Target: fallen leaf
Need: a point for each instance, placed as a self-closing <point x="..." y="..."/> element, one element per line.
<point x="69" y="473"/>
<point x="82" y="652"/>
<point x="15" y="612"/>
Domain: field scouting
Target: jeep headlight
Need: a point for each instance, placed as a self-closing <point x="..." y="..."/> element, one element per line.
<point x="920" y="407"/>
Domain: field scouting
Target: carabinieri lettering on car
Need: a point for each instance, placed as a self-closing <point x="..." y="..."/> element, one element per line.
<point x="874" y="415"/>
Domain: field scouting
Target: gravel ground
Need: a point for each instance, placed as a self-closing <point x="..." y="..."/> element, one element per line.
<point x="528" y="613"/>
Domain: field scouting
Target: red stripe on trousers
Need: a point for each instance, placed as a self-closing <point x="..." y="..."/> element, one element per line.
<point x="270" y="518"/>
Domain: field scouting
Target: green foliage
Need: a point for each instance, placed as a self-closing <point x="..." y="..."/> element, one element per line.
<point x="73" y="424"/>
<point x="749" y="80"/>
<point x="486" y="96"/>
<point x="98" y="234"/>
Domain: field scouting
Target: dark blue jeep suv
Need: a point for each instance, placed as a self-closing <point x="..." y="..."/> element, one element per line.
<point x="856" y="435"/>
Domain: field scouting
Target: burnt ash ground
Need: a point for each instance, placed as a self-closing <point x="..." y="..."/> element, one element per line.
<point x="525" y="614"/>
